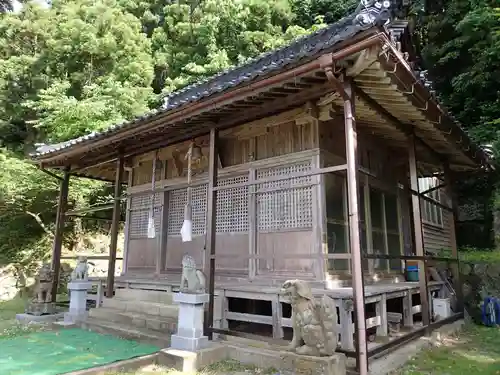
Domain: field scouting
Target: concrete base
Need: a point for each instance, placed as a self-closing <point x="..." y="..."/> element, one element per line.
<point x="189" y="336"/>
<point x="41" y="308"/>
<point x="288" y="362"/>
<point x="74" y="318"/>
<point x="304" y="365"/>
<point x="188" y="343"/>
<point x="189" y="362"/>
<point x="77" y="301"/>
<point x="48" y="318"/>
<point x="63" y="324"/>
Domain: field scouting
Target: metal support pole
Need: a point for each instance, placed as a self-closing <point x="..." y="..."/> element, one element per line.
<point x="58" y="235"/>
<point x="357" y="263"/>
<point x="419" y="235"/>
<point x="211" y="222"/>
<point x="453" y="215"/>
<point x="115" y="225"/>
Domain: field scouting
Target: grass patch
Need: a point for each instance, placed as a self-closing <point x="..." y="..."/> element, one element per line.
<point x="9" y="309"/>
<point x="475" y="350"/>
<point x="472" y="255"/>
<point x="9" y="326"/>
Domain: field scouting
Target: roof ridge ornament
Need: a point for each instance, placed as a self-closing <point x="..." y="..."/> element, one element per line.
<point x="373" y="12"/>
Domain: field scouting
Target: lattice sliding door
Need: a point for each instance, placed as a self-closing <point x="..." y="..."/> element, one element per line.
<point x="232" y="226"/>
<point x="142" y="251"/>
<point x="140" y="208"/>
<point x="284" y="219"/>
<point x="176" y="249"/>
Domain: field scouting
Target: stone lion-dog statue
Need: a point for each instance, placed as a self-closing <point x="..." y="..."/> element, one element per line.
<point x="192" y="280"/>
<point x="314" y="321"/>
<point x="43" y="286"/>
<point x="81" y="271"/>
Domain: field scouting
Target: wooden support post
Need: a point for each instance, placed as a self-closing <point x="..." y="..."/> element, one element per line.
<point x="419" y="236"/>
<point x="381" y="310"/>
<point x="161" y="253"/>
<point x="99" y="295"/>
<point x="211" y="225"/>
<point x="453" y="215"/>
<point x="115" y="225"/>
<point x="407" y="309"/>
<point x="58" y="235"/>
<point x="346" y="326"/>
<point x="355" y="238"/>
<point x="277" y="318"/>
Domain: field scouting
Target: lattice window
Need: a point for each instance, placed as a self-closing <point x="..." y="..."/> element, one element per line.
<point x="285" y="204"/>
<point x="140" y="208"/>
<point x="232" y="206"/>
<point x="177" y="204"/>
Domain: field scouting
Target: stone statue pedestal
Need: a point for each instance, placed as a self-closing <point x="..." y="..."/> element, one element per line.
<point x="189" y="334"/>
<point x="40" y="308"/>
<point x="77" y="301"/>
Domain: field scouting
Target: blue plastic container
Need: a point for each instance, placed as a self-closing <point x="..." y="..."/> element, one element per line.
<point x="412" y="273"/>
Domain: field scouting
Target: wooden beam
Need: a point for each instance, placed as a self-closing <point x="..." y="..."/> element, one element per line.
<point x="58" y="235"/>
<point x="114" y="227"/>
<point x="419" y="235"/>
<point x="164" y="137"/>
<point x="211" y="223"/>
<point x="406" y="129"/>
<point x="89" y="210"/>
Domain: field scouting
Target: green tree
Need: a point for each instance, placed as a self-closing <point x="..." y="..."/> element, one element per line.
<point x="194" y="42"/>
<point x="60" y="66"/>
<point x="6" y="6"/>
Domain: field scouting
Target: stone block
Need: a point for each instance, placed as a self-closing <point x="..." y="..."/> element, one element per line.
<point x="189" y="334"/>
<point x="77" y="301"/>
<point x="305" y="365"/>
<point x="288" y="363"/>
<point x="191" y="298"/>
<point x="191" y="344"/>
<point x="189" y="362"/>
<point x="41" y="308"/>
<point x="47" y="318"/>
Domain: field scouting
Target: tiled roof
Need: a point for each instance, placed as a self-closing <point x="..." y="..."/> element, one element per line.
<point x="368" y="14"/>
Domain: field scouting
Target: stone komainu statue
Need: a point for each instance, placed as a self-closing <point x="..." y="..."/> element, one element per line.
<point x="192" y="280"/>
<point x="315" y="328"/>
<point x="43" y="286"/>
<point x="81" y="271"/>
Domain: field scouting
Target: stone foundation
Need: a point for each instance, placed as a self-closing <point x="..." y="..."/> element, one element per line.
<point x="40" y="308"/>
<point x="289" y="363"/>
<point x="47" y="318"/>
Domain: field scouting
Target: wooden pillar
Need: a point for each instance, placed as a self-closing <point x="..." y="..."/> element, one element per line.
<point x="58" y="235"/>
<point x="115" y="225"/>
<point x="354" y="233"/>
<point x="417" y="225"/>
<point x="453" y="215"/>
<point x="161" y="254"/>
<point x="211" y="226"/>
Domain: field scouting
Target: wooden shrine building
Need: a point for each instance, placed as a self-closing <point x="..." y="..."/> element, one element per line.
<point x="328" y="160"/>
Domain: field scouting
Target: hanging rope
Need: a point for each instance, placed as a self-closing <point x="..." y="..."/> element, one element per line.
<point x="151" y="219"/>
<point x="187" y="226"/>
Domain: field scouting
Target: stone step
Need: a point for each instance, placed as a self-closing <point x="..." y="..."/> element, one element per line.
<point x="150" y="308"/>
<point x="155" y="296"/>
<point x="135" y="334"/>
<point x="133" y="319"/>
